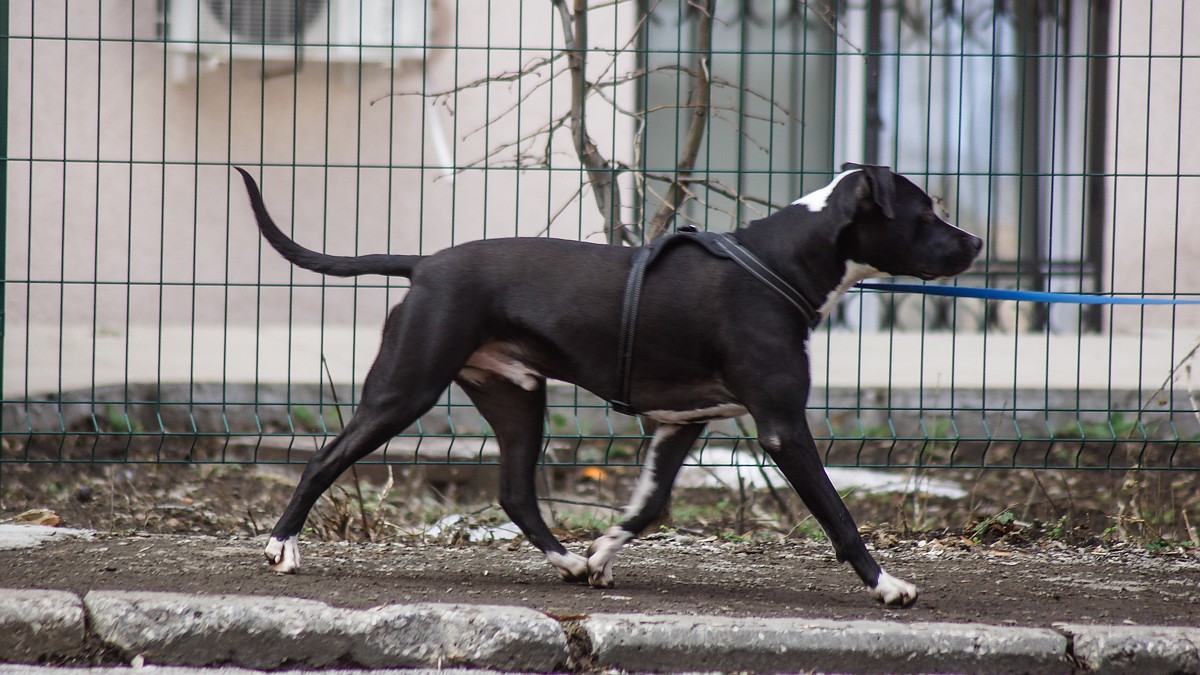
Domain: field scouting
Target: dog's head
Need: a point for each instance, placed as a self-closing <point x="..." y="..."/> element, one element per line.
<point x="889" y="223"/>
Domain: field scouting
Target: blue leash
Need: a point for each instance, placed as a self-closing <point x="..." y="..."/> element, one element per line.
<point x="1027" y="296"/>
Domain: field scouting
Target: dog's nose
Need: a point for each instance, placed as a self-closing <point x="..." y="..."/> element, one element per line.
<point x="976" y="244"/>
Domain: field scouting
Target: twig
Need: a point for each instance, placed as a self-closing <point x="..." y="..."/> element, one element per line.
<point x="700" y="99"/>
<point x="1183" y="364"/>
<point x="368" y="531"/>
<point x="775" y="496"/>
<point x="509" y="76"/>
<point x="601" y="173"/>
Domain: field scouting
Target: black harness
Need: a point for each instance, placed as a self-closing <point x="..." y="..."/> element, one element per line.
<point x="722" y="245"/>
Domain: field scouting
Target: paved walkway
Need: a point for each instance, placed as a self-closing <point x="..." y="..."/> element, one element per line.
<point x="112" y="627"/>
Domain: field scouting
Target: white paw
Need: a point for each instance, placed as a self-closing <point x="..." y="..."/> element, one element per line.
<point x="283" y="556"/>
<point x="893" y="592"/>
<point x="601" y="554"/>
<point x="571" y="567"/>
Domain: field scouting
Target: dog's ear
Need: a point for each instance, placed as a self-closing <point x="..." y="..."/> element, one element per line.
<point x="881" y="183"/>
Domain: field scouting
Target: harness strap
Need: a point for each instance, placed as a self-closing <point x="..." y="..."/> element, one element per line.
<point x="722" y="245"/>
<point x="629" y="308"/>
<point x="752" y="264"/>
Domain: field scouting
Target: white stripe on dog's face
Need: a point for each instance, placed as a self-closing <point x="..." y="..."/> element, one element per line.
<point x="818" y="200"/>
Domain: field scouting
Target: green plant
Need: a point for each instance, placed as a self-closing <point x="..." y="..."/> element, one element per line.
<point x="305" y="419"/>
<point x="1116" y="426"/>
<point x="999" y="521"/>
<point x="1059" y="528"/>
<point x="119" y="421"/>
<point x="1160" y="545"/>
<point x="559" y="424"/>
<point x="808" y="529"/>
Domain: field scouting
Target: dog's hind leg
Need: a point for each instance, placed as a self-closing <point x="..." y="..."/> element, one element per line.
<point x="516" y="415"/>
<point x="417" y="361"/>
<point x="667" y="451"/>
<point x="365" y="432"/>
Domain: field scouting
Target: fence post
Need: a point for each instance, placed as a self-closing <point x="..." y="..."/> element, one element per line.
<point x="3" y="211"/>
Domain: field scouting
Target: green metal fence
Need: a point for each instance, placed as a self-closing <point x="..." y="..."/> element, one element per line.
<point x="144" y="320"/>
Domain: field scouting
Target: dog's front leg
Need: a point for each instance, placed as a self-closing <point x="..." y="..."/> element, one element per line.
<point x="790" y="444"/>
<point x="667" y="451"/>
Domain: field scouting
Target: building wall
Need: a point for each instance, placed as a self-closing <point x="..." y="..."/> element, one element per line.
<point x="129" y="178"/>
<point x="131" y="147"/>
<point x="1154" y="154"/>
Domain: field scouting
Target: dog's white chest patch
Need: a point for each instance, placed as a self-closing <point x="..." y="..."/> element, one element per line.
<point x="819" y="199"/>
<point x="855" y="272"/>
<point x="495" y="359"/>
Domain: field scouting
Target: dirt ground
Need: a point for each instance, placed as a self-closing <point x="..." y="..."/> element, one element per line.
<point x="671" y="573"/>
<point x="201" y="528"/>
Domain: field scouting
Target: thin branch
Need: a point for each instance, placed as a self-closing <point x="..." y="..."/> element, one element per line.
<point x="721" y="189"/>
<point x="508" y="76"/>
<point x="515" y="107"/>
<point x="601" y="173"/>
<point x="700" y="100"/>
<point x="1184" y="363"/>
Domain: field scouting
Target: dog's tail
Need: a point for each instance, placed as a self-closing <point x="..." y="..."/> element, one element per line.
<point x="333" y="265"/>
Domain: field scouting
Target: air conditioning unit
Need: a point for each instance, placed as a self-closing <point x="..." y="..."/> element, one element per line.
<point x="381" y="32"/>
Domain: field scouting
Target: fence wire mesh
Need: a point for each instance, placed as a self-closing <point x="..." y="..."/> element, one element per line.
<point x="144" y="320"/>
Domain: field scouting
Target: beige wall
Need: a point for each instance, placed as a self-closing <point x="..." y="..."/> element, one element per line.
<point x="1154" y="104"/>
<point x="159" y="205"/>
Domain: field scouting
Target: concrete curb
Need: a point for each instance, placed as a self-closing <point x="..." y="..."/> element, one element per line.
<point x="781" y="645"/>
<point x="1145" y="649"/>
<point x="37" y="625"/>
<point x="267" y="633"/>
<point x="273" y="632"/>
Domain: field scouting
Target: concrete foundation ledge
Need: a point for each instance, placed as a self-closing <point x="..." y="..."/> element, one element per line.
<point x="270" y="632"/>
<point x="37" y="625"/>
<point x="232" y="632"/>
<point x="690" y="643"/>
<point x="1141" y="649"/>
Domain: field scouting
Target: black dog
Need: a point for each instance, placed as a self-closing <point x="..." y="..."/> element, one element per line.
<point x="500" y="317"/>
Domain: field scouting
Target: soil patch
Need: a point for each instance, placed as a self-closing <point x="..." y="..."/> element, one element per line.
<point x="670" y="574"/>
<point x="1025" y="548"/>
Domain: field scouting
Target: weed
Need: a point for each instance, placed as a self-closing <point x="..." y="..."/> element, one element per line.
<point x="305" y="419"/>
<point x="119" y="421"/>
<point x="1117" y="426"/>
<point x="1059" y="528"/>
<point x="808" y="529"/>
<point x="584" y="522"/>
<point x="1160" y="546"/>
<point x="559" y="425"/>
<point x="1000" y="522"/>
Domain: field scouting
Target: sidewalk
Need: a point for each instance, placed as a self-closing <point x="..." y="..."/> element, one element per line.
<point x="272" y="632"/>
<point x="101" y="623"/>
